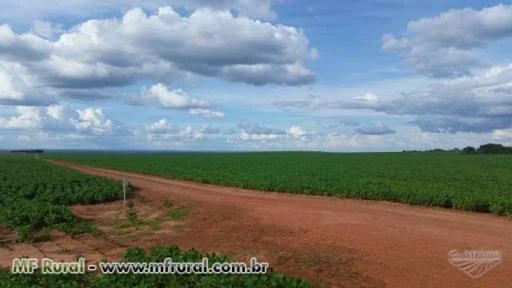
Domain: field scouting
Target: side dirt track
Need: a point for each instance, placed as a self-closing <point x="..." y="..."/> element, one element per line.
<point x="337" y="242"/>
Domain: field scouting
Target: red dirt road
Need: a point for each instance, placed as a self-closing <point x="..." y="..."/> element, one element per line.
<point x="337" y="242"/>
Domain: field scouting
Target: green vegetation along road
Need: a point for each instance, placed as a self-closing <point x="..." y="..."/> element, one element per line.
<point x="34" y="195"/>
<point x="480" y="183"/>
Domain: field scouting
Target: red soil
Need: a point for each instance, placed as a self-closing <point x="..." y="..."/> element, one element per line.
<point x="337" y="242"/>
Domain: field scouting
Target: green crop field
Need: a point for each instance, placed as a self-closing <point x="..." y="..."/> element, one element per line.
<point x="34" y="195"/>
<point x="155" y="254"/>
<point x="480" y="183"/>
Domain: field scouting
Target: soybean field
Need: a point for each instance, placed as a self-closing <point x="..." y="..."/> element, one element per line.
<point x="481" y="183"/>
<point x="34" y="195"/>
<point x="155" y="254"/>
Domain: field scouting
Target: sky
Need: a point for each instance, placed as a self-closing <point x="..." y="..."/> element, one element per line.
<point x="240" y="75"/>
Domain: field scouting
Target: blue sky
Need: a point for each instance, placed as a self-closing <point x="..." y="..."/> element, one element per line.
<point x="374" y="75"/>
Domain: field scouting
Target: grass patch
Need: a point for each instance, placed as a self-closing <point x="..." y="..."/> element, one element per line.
<point x="179" y="213"/>
<point x="154" y="224"/>
<point x="168" y="203"/>
<point x="133" y="220"/>
<point x="141" y="197"/>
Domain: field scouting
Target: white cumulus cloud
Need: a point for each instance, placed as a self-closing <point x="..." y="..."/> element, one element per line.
<point x="103" y="53"/>
<point x="172" y="99"/>
<point x="58" y="119"/>
<point x="162" y="131"/>
<point x="207" y="113"/>
<point x="296" y="132"/>
<point x="93" y="121"/>
<point x="445" y="45"/>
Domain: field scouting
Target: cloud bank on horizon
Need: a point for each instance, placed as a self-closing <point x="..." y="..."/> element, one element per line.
<point x="255" y="75"/>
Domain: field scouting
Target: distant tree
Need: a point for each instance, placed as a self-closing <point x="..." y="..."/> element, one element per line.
<point x="469" y="150"/>
<point x="494" y="149"/>
<point x="28" y="151"/>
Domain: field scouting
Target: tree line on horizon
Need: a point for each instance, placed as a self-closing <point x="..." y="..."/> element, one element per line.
<point x="490" y="148"/>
